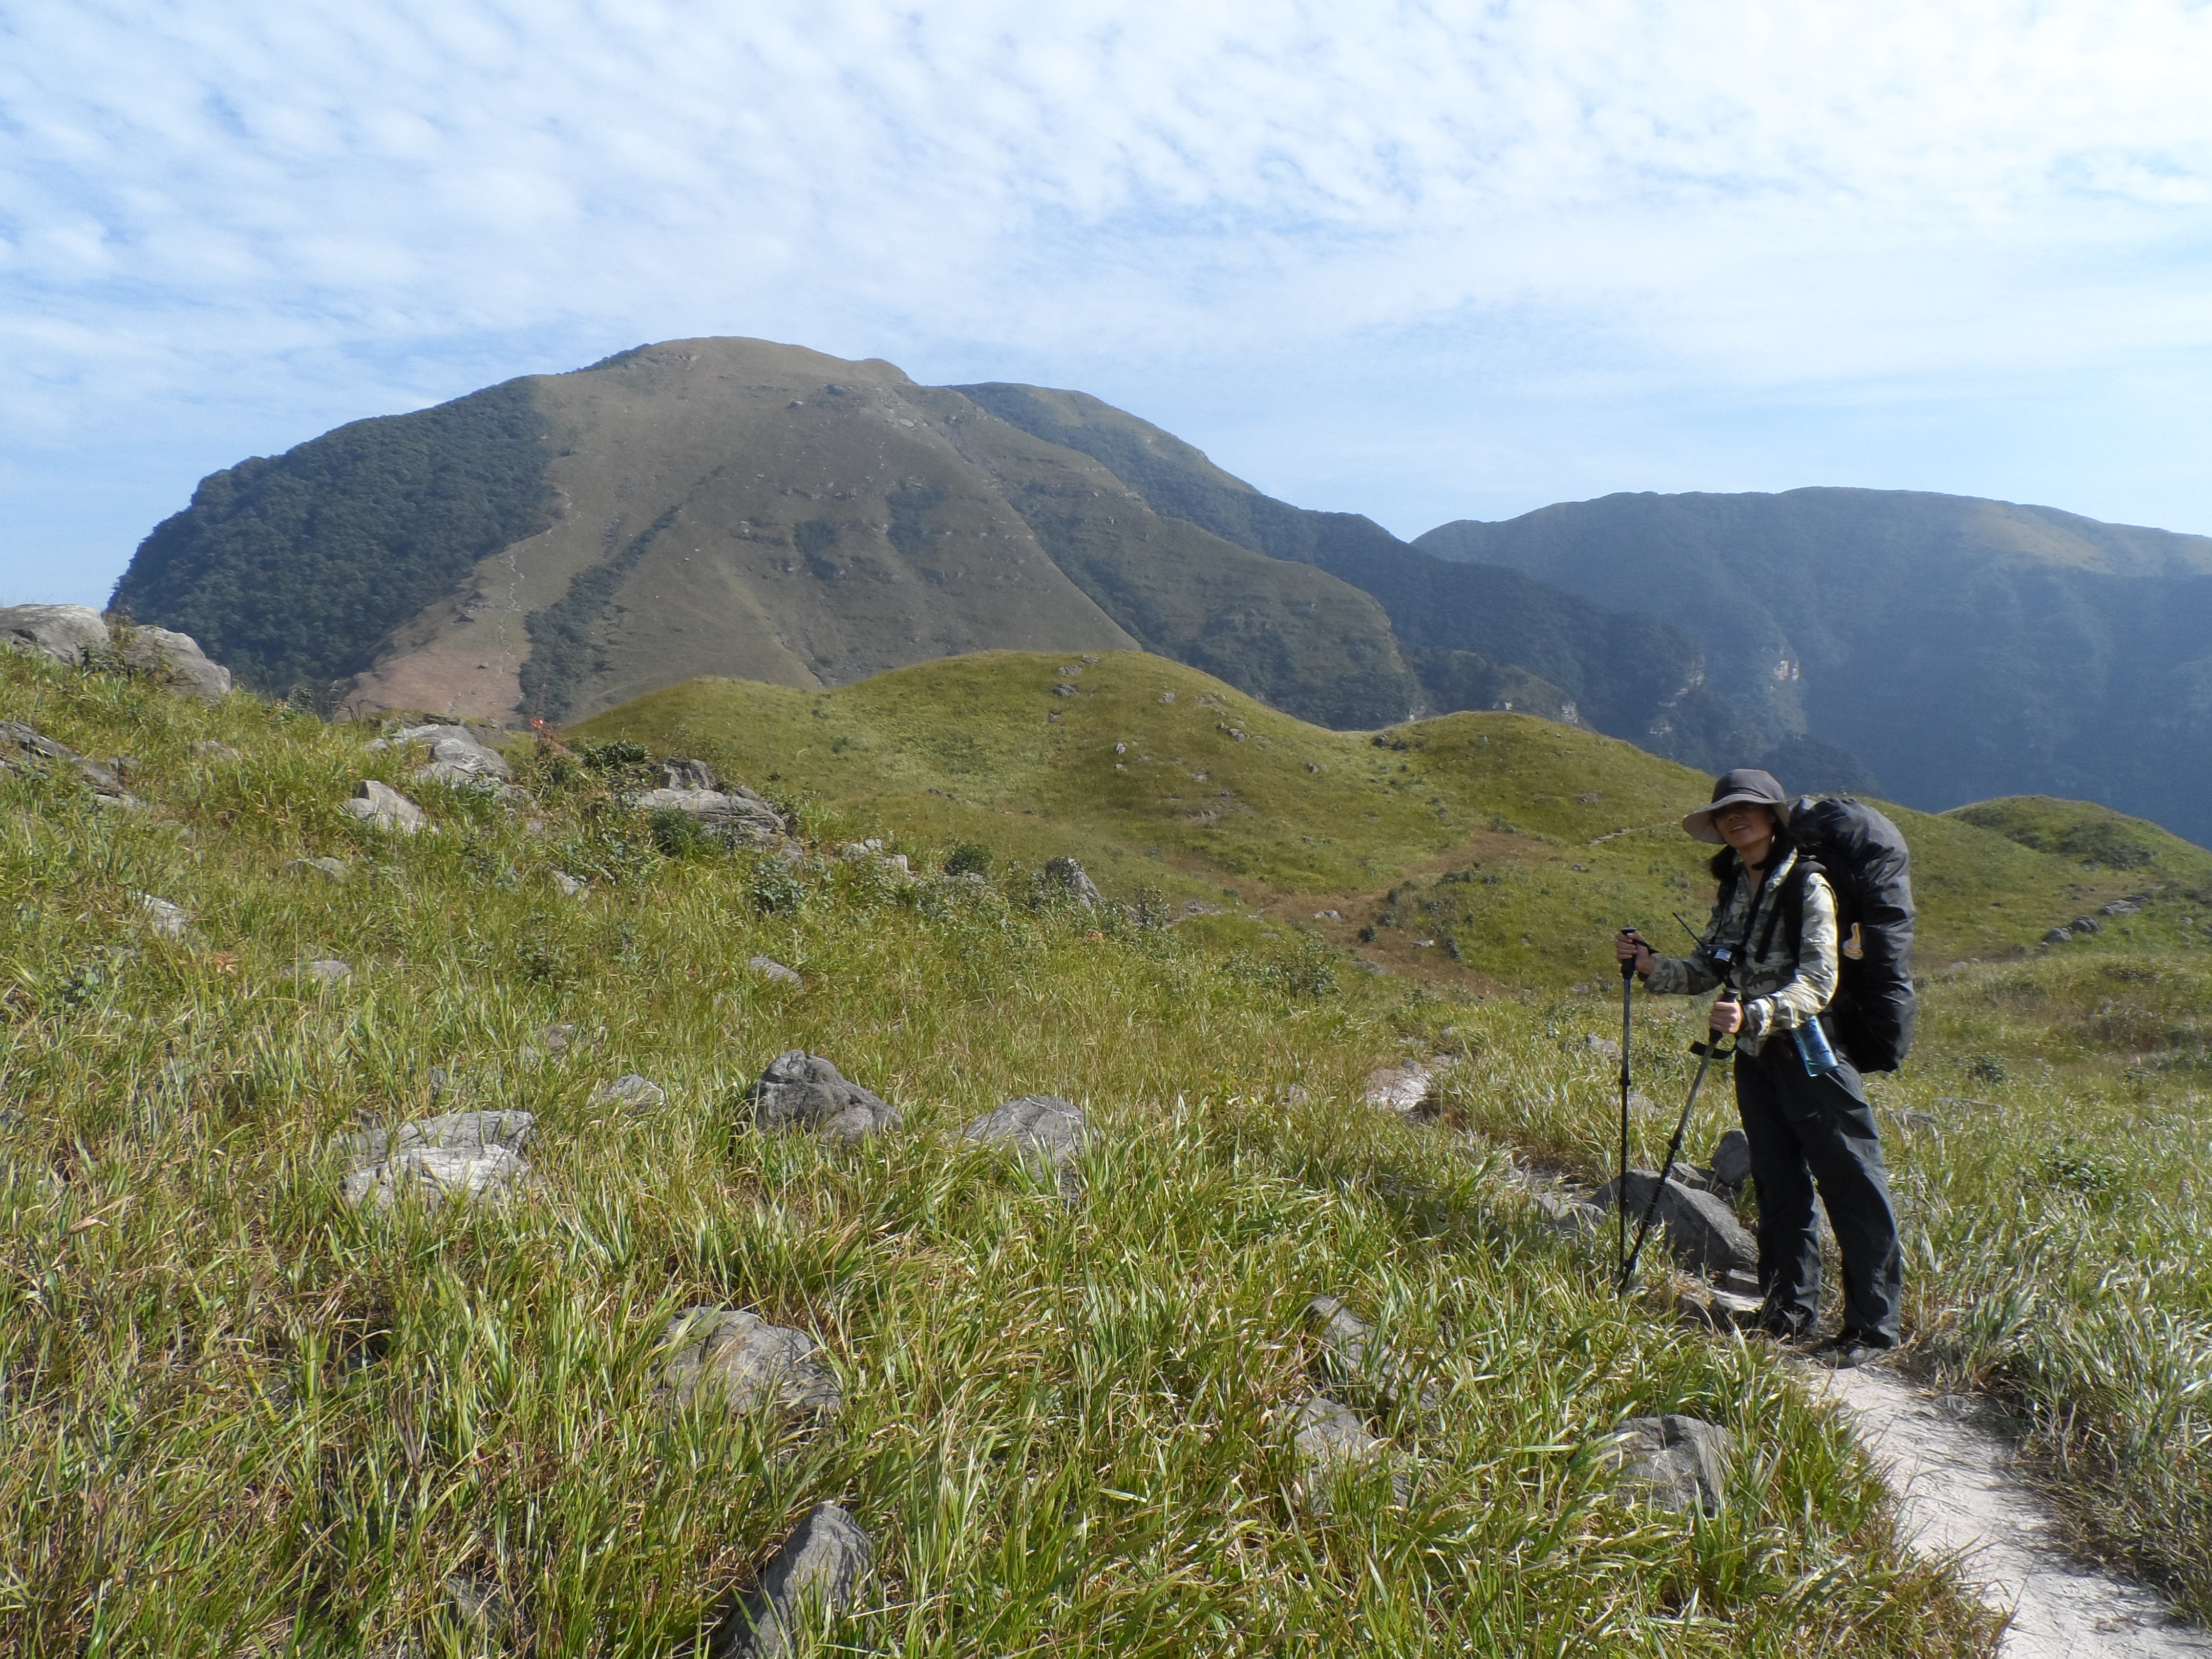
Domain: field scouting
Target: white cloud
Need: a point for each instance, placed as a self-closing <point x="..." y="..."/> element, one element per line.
<point x="261" y="217"/>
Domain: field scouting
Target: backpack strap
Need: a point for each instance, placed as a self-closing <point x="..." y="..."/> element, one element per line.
<point x="1791" y="908"/>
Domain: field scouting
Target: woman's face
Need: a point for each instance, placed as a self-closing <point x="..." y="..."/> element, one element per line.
<point x="1746" y="826"/>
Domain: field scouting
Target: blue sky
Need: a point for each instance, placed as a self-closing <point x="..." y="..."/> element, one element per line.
<point x="1423" y="262"/>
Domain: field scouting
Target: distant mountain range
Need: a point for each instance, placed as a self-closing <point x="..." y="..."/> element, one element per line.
<point x="558" y="544"/>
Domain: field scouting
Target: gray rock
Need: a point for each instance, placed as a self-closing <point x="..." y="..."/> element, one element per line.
<point x="872" y="851"/>
<point x="770" y="967"/>
<point x="27" y="751"/>
<point x="176" y="660"/>
<point x="1604" y="1048"/>
<point x="1330" y="1440"/>
<point x="457" y="756"/>
<point x="814" y="1576"/>
<point x="2085" y="924"/>
<point x="632" y="1093"/>
<point x="1679" y="1462"/>
<point x="163" y="919"/>
<point x="1070" y="877"/>
<point x="1048" y="1133"/>
<point x="435" y="1174"/>
<point x="455" y="1131"/>
<point x="747" y="1362"/>
<point x="568" y="884"/>
<point x="326" y="970"/>
<point x="688" y="775"/>
<point x="1362" y="1357"/>
<point x="215" y="750"/>
<point x="2119" y="906"/>
<point x="735" y="815"/>
<point x="1732" y="1159"/>
<point x="800" y="1091"/>
<point x="382" y="807"/>
<point x="66" y="633"/>
<point x="2057" y="936"/>
<point x="1568" y="1215"/>
<point x="1701" y="1230"/>
<point x="330" y="868"/>
<point x="1407" y="1088"/>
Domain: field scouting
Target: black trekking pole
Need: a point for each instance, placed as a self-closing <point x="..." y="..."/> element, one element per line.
<point x="1628" y="985"/>
<point x="1707" y="1053"/>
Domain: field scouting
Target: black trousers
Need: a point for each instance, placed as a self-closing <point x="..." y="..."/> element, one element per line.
<point x="1807" y="1131"/>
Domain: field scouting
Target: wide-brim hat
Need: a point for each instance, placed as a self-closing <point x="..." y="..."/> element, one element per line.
<point x="1746" y="783"/>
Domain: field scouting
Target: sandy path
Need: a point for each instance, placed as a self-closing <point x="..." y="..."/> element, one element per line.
<point x="1956" y="1488"/>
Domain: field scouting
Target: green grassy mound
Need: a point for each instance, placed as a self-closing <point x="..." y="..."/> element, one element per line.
<point x="242" y="1417"/>
<point x="1513" y="844"/>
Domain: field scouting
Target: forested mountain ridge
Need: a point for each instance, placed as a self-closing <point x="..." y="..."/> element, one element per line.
<point x="1964" y="648"/>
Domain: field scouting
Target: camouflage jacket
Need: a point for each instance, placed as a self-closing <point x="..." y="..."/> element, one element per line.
<point x="1783" y="987"/>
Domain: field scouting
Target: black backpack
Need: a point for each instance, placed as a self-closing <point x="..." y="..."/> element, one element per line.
<point x="1870" y="869"/>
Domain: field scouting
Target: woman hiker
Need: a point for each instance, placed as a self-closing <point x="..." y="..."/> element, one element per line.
<point x="1804" y="1130"/>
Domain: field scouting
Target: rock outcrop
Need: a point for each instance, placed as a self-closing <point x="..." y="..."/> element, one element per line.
<point x="76" y="635"/>
<point x="1678" y="1463"/>
<point x="1702" y="1232"/>
<point x="735" y="815"/>
<point x="27" y="751"/>
<point x="1046" y="1132"/>
<point x="800" y="1091"/>
<point x="382" y="807"/>
<point x="747" y="1362"/>
<point x="462" y="1155"/>
<point x="816" y="1573"/>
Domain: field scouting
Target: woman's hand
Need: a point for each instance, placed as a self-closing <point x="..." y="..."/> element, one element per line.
<point x="1727" y="1014"/>
<point x="1628" y="946"/>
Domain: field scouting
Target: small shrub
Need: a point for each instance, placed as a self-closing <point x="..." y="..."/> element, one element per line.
<point x="1986" y="1067"/>
<point x="680" y="835"/>
<point x="968" y="859"/>
<point x="776" y="889"/>
<point x="2080" y="1171"/>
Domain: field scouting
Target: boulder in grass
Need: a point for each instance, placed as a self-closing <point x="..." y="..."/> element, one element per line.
<point x="67" y="633"/>
<point x="332" y="869"/>
<point x="456" y="755"/>
<point x="1330" y="1440"/>
<point x="800" y="1091"/>
<point x="163" y="919"/>
<point x="175" y="659"/>
<point x="1732" y="1160"/>
<point x="435" y="1174"/>
<point x="326" y="970"/>
<point x="735" y="815"/>
<point x="631" y="1093"/>
<point x="1700" y="1231"/>
<point x="769" y="968"/>
<point x="1046" y="1133"/>
<point x="747" y="1362"/>
<point x="455" y="1131"/>
<point x="1358" y="1355"/>
<point x="813" y="1577"/>
<point x="28" y="751"/>
<point x="382" y="807"/>
<point x="1678" y="1463"/>
<point x="1070" y="877"/>
<point x="1407" y="1088"/>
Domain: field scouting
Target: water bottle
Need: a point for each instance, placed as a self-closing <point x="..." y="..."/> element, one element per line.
<point x="1813" y="1049"/>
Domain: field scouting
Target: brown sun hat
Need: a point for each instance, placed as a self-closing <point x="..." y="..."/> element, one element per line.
<point x="1746" y="783"/>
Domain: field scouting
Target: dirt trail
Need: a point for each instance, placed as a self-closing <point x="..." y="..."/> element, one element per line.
<point x="1955" y="1486"/>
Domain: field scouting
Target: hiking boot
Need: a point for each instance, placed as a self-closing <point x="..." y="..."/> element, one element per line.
<point x="1848" y="1350"/>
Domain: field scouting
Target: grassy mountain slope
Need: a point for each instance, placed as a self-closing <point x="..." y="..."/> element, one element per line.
<point x="1516" y="845"/>
<point x="1632" y="675"/>
<point x="1963" y="648"/>
<point x="722" y="506"/>
<point x="243" y="1418"/>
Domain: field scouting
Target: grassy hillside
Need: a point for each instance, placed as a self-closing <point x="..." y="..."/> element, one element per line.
<point x="1516" y="845"/>
<point x="1962" y="649"/>
<point x="243" y="1416"/>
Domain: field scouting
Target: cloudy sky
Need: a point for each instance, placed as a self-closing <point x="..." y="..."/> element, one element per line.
<point x="1422" y="261"/>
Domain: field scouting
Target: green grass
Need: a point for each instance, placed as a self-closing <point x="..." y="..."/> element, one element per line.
<point x="1516" y="844"/>
<point x="240" y="1417"/>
